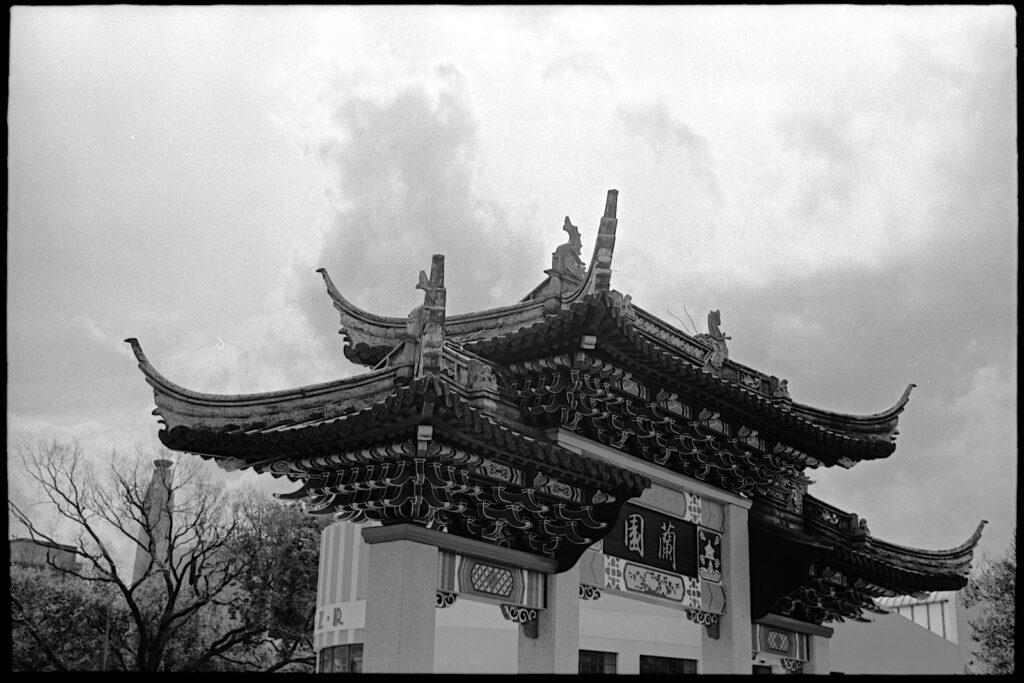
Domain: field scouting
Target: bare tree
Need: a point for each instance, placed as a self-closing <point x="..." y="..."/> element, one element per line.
<point x="192" y="604"/>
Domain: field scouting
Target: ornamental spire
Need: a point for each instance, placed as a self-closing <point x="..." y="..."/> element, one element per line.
<point x="605" y="245"/>
<point x="432" y="317"/>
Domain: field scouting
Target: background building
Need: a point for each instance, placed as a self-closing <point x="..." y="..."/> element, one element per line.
<point x="26" y="552"/>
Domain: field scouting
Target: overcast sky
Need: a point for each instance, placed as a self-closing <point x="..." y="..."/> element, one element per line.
<point x="840" y="182"/>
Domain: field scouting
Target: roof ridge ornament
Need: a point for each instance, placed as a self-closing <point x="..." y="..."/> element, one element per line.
<point x="423" y="338"/>
<point x="566" y="259"/>
<point x="431" y="318"/>
<point x="601" y="263"/>
<point x="716" y="338"/>
<point x="567" y="281"/>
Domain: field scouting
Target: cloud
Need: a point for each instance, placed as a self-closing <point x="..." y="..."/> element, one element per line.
<point x="94" y="332"/>
<point x="576" y="64"/>
<point x="405" y="172"/>
<point x="664" y="136"/>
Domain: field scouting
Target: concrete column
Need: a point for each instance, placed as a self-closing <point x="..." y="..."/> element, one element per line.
<point x="400" y="606"/>
<point x="556" y="649"/>
<point x="730" y="652"/>
<point x="819" y="661"/>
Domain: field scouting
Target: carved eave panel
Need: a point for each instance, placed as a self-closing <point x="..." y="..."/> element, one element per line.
<point x="468" y="475"/>
<point x="602" y="402"/>
<point x="608" y="321"/>
<point x="461" y="492"/>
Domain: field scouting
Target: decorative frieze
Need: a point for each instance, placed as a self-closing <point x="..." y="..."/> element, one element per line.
<point x="588" y="592"/>
<point x="444" y="599"/>
<point x="556" y="487"/>
<point x="500" y="471"/>
<point x="666" y="334"/>
<point x="703" y="618"/>
<point x="520" y="615"/>
<point x="792" y="665"/>
<point x="631" y="577"/>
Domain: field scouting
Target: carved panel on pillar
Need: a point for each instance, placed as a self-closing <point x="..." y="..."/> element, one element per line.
<point x="474" y="578"/>
<point x="445" y="599"/>
<point x="709" y="562"/>
<point x="588" y="592"/>
<point x="780" y="642"/>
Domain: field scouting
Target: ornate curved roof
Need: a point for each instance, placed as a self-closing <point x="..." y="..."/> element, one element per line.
<point x="259" y="431"/>
<point x="571" y="303"/>
<point x="621" y="334"/>
<point x="180" y="407"/>
<point x="451" y="426"/>
<point x="369" y="337"/>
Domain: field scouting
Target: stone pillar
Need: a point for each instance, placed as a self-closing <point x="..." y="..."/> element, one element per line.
<point x="730" y="652"/>
<point x="556" y="649"/>
<point x="400" y="605"/>
<point x="819" y="661"/>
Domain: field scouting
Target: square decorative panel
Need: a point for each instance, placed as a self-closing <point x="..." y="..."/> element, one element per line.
<point x="709" y="555"/>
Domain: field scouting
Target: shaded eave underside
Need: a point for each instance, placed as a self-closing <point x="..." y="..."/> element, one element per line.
<point x="900" y="569"/>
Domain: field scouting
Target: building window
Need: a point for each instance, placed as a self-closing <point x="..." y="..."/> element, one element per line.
<point x="594" y="662"/>
<point x="649" y="664"/>
<point x="341" y="659"/>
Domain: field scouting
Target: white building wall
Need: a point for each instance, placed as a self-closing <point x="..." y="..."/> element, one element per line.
<point x="473" y="637"/>
<point x="631" y="628"/>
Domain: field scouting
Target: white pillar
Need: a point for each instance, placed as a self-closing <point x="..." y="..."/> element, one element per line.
<point x="730" y="652"/>
<point x="400" y="606"/>
<point x="556" y="649"/>
<point x="818" y="660"/>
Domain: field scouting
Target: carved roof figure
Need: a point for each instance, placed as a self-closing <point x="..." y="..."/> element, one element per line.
<point x="566" y="259"/>
<point x="716" y="339"/>
<point x="465" y="405"/>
